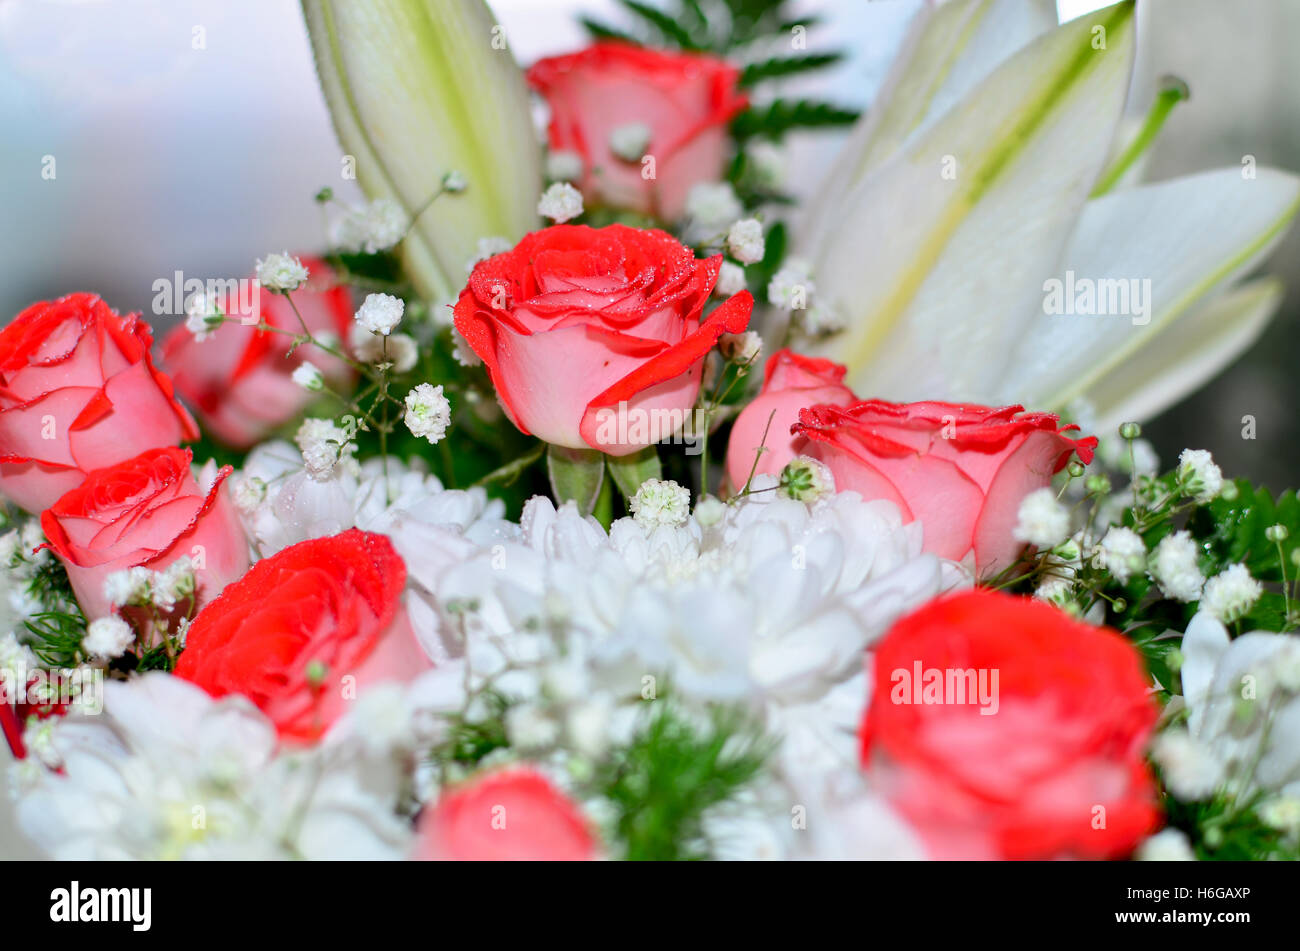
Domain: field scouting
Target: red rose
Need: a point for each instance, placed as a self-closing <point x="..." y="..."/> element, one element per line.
<point x="683" y="100"/>
<point x="238" y="379"/>
<point x="146" y="511"/>
<point x="1003" y="728"/>
<point x="962" y="470"/>
<point x="593" y="336"/>
<point x="513" y="814"/>
<point x="288" y="633"/>
<point x="78" y="391"/>
<point x="791" y="382"/>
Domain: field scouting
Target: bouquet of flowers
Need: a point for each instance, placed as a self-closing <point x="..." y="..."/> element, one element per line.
<point x="593" y="498"/>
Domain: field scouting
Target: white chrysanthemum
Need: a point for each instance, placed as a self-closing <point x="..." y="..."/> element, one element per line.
<point x="108" y="637"/>
<point x="1190" y="769"/>
<point x="1198" y="474"/>
<point x="560" y="202"/>
<point x="380" y="313"/>
<point x="791" y="288"/>
<point x="1042" y="520"/>
<point x="1167" y="845"/>
<point x="428" y="413"/>
<point x="731" y="280"/>
<point x="1231" y="594"/>
<point x="710" y="207"/>
<point x="1123" y="553"/>
<point x="130" y="587"/>
<point x="308" y="377"/>
<point x="630" y="140"/>
<point x="805" y="479"/>
<point x="563" y="166"/>
<point x="167" y="772"/>
<point x="324" y="445"/>
<point x="1173" y="567"/>
<point x="745" y="241"/>
<point x="281" y="272"/>
<point x="661" y="502"/>
<point x="488" y="247"/>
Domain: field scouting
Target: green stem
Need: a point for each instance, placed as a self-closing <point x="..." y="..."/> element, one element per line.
<point x="1173" y="91"/>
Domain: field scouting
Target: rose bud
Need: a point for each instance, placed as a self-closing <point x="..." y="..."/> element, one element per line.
<point x="237" y="378"/>
<point x="1002" y="728"/>
<point x="149" y="511"/>
<point x="620" y="107"/>
<point x="593" y="337"/>
<point x="512" y="814"/>
<point x="791" y="382"/>
<point x="78" y="391"/>
<point x="961" y="470"/>
<point x="307" y="629"/>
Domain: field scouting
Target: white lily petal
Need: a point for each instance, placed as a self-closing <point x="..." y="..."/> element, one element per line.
<point x="417" y="90"/>
<point x="930" y="270"/>
<point x="1179" y="359"/>
<point x="1189" y="237"/>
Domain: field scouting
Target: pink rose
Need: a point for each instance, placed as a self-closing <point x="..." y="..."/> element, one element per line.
<point x="78" y="391"/>
<point x="593" y="336"/>
<point x="791" y="382"/>
<point x="238" y="379"/>
<point x="147" y="511"/>
<point x="512" y="814"/>
<point x="683" y="100"/>
<point x="962" y="470"/>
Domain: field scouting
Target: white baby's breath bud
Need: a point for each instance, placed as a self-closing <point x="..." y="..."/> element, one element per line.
<point x="201" y="316"/>
<point x="454" y="182"/>
<point x="108" y="637"/>
<point x="428" y="413"/>
<point x="1231" y="594"/>
<point x="529" y="728"/>
<point x="630" y="140"/>
<point x="742" y="348"/>
<point x="1055" y="590"/>
<point x="1190" y="769"/>
<point x="791" y="287"/>
<point x="380" y="313"/>
<point x="324" y="445"/>
<point x="131" y="587"/>
<point x="731" y="280"/>
<point x="403" y="353"/>
<point x="1167" y="845"/>
<point x="806" y="480"/>
<point x="711" y="206"/>
<point x="462" y="352"/>
<point x="1123" y="553"/>
<point x="560" y="202"/>
<point x="308" y="377"/>
<point x="248" y="492"/>
<point x="1282" y="813"/>
<point x="281" y="272"/>
<point x="1173" y="567"/>
<point x="661" y="502"/>
<point x="820" y="319"/>
<point x="563" y="166"/>
<point x="174" y="584"/>
<point x="1042" y="520"/>
<point x="10" y="549"/>
<point x="1198" y="475"/>
<point x="488" y="247"/>
<point x="709" y="511"/>
<point x="745" y="241"/>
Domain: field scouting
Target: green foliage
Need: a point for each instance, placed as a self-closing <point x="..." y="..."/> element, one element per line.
<point x="785" y="115"/>
<point x="55" y="636"/>
<point x="469" y="742"/>
<point x="781" y="66"/>
<point x="1223" y="829"/>
<point x="671" y="774"/>
<point x="1233" y="530"/>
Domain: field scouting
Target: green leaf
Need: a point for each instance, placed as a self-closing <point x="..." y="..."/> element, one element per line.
<point x="576" y="475"/>
<point x="602" y="31"/>
<point x="668" y="28"/>
<point x="631" y="470"/>
<point x="782" y="115"/>
<point x="786" y="66"/>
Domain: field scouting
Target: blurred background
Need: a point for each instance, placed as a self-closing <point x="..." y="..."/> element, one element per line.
<point x="141" y="138"/>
